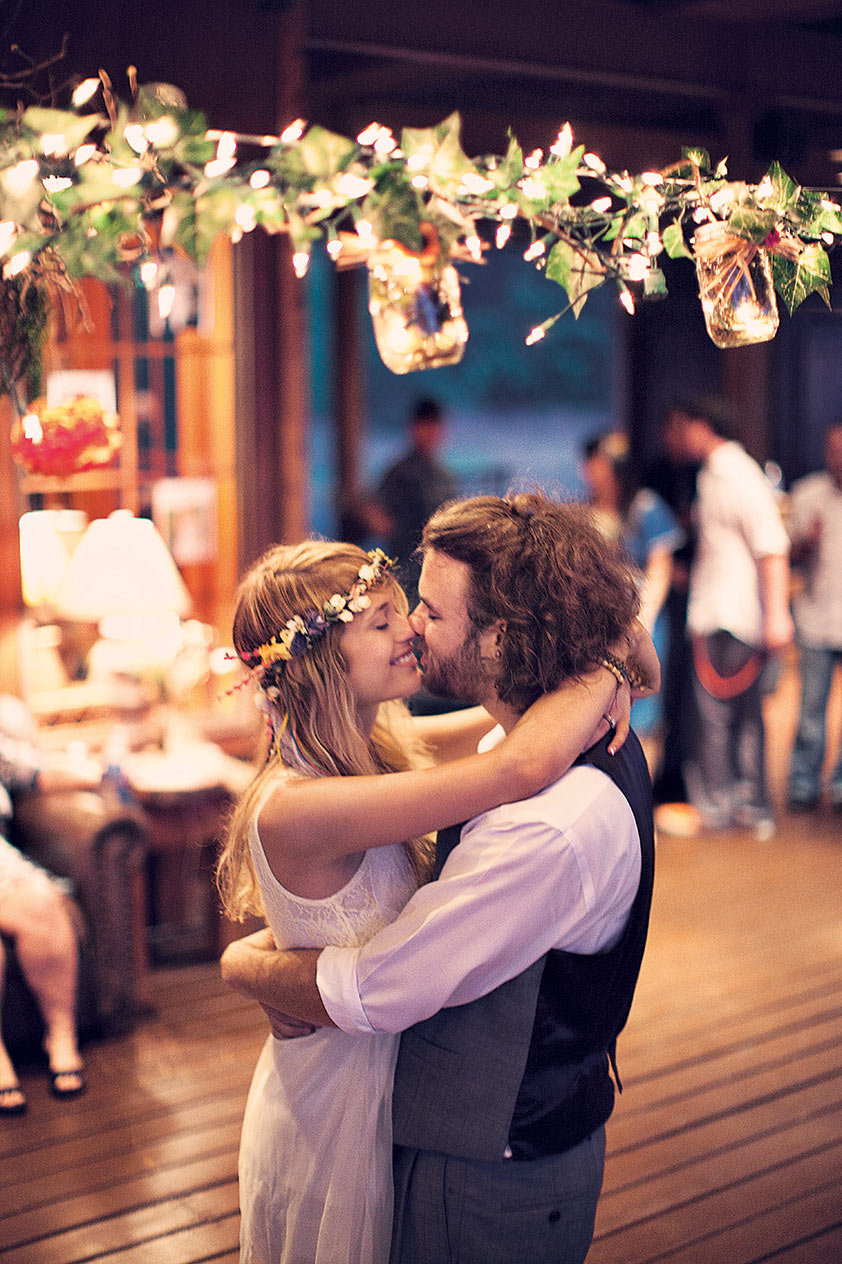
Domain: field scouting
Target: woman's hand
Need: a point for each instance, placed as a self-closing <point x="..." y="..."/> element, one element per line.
<point x="284" y="1027"/>
<point x="551" y="735"/>
<point x="617" y="719"/>
<point x="638" y="652"/>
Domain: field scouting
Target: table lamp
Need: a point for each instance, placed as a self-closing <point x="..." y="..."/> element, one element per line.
<point x="123" y="578"/>
<point x="48" y="538"/>
<point x="121" y="567"/>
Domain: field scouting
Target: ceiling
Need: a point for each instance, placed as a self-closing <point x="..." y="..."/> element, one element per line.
<point x="638" y="79"/>
<point x="814" y="13"/>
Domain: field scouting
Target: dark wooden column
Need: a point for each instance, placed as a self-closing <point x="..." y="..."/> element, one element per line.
<point x="271" y="350"/>
<point x="291" y="439"/>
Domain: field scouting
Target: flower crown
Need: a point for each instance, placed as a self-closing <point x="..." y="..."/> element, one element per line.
<point x="303" y="631"/>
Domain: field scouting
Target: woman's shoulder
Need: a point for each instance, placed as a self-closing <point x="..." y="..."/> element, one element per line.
<point x="274" y="802"/>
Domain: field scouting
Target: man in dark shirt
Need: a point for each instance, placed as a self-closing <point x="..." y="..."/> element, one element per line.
<point x="412" y="489"/>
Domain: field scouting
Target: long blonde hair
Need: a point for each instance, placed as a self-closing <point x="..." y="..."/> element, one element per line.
<point x="315" y="707"/>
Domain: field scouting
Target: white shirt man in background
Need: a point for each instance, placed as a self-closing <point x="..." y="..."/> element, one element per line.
<point x="738" y="615"/>
<point x="815" y="525"/>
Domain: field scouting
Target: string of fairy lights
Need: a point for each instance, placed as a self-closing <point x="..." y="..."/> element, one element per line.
<point x="110" y="189"/>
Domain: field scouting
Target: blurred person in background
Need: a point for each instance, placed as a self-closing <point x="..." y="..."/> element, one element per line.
<point x="638" y="519"/>
<point x="411" y="491"/>
<point x="33" y="909"/>
<point x="673" y="477"/>
<point x="738" y="616"/>
<point x="815" y="526"/>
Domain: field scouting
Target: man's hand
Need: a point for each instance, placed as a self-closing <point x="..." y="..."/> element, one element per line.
<point x="282" y="981"/>
<point x="778" y="631"/>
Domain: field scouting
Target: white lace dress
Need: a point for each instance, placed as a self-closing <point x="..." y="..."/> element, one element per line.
<point x="316" y="1150"/>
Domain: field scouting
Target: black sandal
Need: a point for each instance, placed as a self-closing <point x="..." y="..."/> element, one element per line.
<point x="74" y="1090"/>
<point x="8" y="1107"/>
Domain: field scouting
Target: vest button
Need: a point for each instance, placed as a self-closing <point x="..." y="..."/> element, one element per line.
<point x="554" y="1216"/>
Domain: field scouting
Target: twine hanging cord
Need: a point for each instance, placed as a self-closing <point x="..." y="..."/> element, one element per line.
<point x="734" y="256"/>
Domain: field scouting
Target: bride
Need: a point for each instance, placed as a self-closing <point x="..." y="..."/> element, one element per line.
<point x="329" y="849"/>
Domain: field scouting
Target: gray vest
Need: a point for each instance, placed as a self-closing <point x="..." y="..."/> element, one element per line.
<point x="459" y="1072"/>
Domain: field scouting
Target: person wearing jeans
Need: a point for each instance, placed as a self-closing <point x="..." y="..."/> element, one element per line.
<point x="738" y="616"/>
<point x="816" y="530"/>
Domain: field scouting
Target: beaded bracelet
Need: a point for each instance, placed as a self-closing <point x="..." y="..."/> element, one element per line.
<point x="621" y="671"/>
<point x="615" y="671"/>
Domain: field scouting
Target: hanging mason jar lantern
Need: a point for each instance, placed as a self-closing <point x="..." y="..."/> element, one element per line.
<point x="735" y="287"/>
<point x="415" y="305"/>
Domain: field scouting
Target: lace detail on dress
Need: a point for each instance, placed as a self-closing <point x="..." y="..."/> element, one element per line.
<point x="316" y="1153"/>
<point x="370" y="899"/>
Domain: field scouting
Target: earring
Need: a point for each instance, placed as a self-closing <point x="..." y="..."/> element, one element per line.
<point x="498" y="653"/>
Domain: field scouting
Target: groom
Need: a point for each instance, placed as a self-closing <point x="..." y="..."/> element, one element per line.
<point x="540" y="910"/>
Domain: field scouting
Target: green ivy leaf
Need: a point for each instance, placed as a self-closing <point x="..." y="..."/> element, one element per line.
<point x="192" y="147"/>
<point x="807" y="209"/>
<point x="636" y="227"/>
<point x="613" y="228"/>
<point x="559" y="176"/>
<point x="828" y="220"/>
<point x="576" y="271"/>
<point x="314" y="159"/>
<point x="74" y="127"/>
<point x="91" y="256"/>
<point x="445" y="162"/>
<point x="697" y="157"/>
<point x="674" y="244"/>
<point x="323" y="153"/>
<point x="94" y="185"/>
<point x="510" y="170"/>
<point x="815" y="215"/>
<point x="750" y="223"/>
<point x="796" y="278"/>
<point x="785" y="191"/>
<point x="195" y="223"/>
<point x="395" y="210"/>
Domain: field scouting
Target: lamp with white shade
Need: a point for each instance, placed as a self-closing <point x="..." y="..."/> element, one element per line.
<point x="122" y="577"/>
<point x="121" y="566"/>
<point x="48" y="539"/>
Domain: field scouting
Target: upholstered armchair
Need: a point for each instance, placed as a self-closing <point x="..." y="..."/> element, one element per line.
<point x="98" y="844"/>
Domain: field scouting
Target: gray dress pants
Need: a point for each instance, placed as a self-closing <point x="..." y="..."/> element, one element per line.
<point x="458" y="1211"/>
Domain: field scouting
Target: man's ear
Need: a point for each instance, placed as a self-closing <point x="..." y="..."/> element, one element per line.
<point x="491" y="640"/>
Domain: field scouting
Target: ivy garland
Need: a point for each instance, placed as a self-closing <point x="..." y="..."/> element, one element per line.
<point x="101" y="193"/>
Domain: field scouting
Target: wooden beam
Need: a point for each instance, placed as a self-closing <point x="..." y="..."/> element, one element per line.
<point x="637" y="47"/>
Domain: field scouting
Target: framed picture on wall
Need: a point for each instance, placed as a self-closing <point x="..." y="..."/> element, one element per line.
<point x="184" y="511"/>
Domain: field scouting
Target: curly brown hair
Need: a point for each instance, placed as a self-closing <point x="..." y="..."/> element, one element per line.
<point x="564" y="593"/>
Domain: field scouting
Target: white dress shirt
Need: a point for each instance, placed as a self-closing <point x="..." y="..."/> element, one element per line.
<point x="559" y="870"/>
<point x="818" y="609"/>
<point x="738" y="523"/>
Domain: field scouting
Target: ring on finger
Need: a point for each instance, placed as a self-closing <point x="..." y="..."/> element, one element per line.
<point x="610" y="721"/>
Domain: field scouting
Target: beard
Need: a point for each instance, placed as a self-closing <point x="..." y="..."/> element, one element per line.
<point x="462" y="675"/>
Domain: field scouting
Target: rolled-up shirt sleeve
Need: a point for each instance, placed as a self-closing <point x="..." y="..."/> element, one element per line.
<point x="518" y="884"/>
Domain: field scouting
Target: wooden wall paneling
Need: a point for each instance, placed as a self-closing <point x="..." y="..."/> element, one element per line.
<point x="206" y="426"/>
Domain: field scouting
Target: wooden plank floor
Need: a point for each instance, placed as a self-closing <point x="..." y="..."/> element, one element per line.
<point x="725" y="1148"/>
